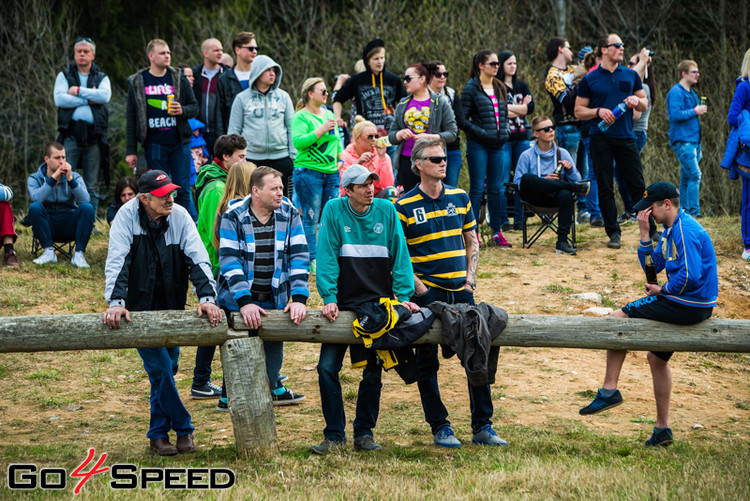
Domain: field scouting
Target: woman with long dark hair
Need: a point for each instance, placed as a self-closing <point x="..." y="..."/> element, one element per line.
<point x="486" y="126"/>
<point x="125" y="189"/>
<point x="422" y="113"/>
<point x="438" y="85"/>
<point x="520" y="104"/>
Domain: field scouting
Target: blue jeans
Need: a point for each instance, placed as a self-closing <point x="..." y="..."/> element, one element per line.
<point x="89" y="160"/>
<point x="453" y="169"/>
<point x="689" y="155"/>
<point x="640" y="140"/>
<point x="485" y="171"/>
<point x="332" y="401"/>
<point x="314" y="189"/>
<point x="592" y="199"/>
<point x="62" y="225"/>
<point x="569" y="138"/>
<point x="480" y="397"/>
<point x="582" y="164"/>
<point x="167" y="410"/>
<point x="511" y="152"/>
<point x="175" y="160"/>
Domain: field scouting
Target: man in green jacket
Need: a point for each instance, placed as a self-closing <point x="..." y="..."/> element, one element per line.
<point x="210" y="183"/>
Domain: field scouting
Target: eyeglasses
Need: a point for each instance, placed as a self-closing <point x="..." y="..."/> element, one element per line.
<point x="546" y="129"/>
<point x="567" y="46"/>
<point x="409" y="78"/>
<point x="435" y="159"/>
<point x="166" y="197"/>
<point x="616" y="45"/>
<point x="441" y="75"/>
<point x="251" y="48"/>
<point x="494" y="64"/>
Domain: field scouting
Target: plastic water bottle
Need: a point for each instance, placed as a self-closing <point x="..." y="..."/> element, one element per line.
<point x="617" y="112"/>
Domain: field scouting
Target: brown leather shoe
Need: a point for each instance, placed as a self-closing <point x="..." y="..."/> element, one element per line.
<point x="11" y="259"/>
<point x="162" y="447"/>
<point x="185" y="443"/>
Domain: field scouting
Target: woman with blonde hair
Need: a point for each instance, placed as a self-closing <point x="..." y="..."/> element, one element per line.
<point x="237" y="186"/>
<point x="363" y="151"/>
<point x="319" y="150"/>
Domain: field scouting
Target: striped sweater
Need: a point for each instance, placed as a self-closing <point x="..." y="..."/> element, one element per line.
<point x="237" y="253"/>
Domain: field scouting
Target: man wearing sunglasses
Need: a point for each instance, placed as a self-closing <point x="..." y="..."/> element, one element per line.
<point x="81" y="93"/>
<point x="154" y="249"/>
<point x="234" y="80"/>
<point x="542" y="185"/>
<point x="600" y="92"/>
<point x="440" y="231"/>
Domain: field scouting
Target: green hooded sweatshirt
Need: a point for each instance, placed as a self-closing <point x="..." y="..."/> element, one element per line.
<point x="210" y="183"/>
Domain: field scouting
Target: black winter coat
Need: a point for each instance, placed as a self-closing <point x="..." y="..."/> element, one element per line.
<point x="479" y="122"/>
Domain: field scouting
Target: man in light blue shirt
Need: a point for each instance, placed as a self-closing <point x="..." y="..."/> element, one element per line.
<point x="81" y="93"/>
<point x="684" y="108"/>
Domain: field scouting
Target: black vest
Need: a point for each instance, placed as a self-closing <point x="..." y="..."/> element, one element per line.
<point x="100" y="111"/>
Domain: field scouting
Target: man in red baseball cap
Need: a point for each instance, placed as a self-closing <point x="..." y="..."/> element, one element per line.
<point x="154" y="248"/>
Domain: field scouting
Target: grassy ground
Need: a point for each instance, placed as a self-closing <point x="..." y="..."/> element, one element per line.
<point x="56" y="405"/>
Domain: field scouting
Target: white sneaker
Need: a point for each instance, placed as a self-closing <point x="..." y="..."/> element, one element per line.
<point x="79" y="261"/>
<point x="746" y="255"/>
<point x="48" y="256"/>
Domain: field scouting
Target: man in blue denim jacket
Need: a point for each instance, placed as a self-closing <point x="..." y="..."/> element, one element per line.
<point x="683" y="108"/>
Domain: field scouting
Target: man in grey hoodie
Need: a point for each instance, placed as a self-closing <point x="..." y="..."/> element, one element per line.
<point x="262" y="114"/>
<point x="547" y="177"/>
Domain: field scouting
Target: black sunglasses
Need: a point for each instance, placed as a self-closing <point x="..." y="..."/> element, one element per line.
<point x="441" y="75"/>
<point x="251" y="48"/>
<point x="616" y="45"/>
<point x="494" y="64"/>
<point x="409" y="78"/>
<point x="372" y="137"/>
<point x="546" y="129"/>
<point x="324" y="92"/>
<point x="436" y="159"/>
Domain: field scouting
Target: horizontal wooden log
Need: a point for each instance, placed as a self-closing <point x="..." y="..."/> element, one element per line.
<point x="147" y="329"/>
<point x="714" y="335"/>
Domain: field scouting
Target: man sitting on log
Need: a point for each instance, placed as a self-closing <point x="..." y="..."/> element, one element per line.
<point x="362" y="257"/>
<point x="686" y="253"/>
<point x="153" y="249"/>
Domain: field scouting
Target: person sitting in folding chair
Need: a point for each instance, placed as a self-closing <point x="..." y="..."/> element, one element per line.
<point x="547" y="177"/>
<point x="60" y="210"/>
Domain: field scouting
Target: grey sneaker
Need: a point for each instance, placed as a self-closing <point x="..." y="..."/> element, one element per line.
<point x="365" y="443"/>
<point x="79" y="261"/>
<point x="445" y="438"/>
<point x="327" y="446"/>
<point x="614" y="241"/>
<point x="487" y="436"/>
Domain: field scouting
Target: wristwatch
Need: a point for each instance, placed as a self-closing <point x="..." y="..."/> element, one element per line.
<point x="473" y="285"/>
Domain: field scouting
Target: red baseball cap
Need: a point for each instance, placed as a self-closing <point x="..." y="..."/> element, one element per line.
<point x="157" y="183"/>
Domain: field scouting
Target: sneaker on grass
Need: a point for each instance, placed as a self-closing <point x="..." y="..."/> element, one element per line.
<point x="222" y="406"/>
<point x="206" y="391"/>
<point x="366" y="443"/>
<point x="663" y="438"/>
<point x="445" y="438"/>
<point x="48" y="256"/>
<point x="327" y="446"/>
<point x="287" y="398"/>
<point x="487" y="436"/>
<point x="601" y="403"/>
<point x="79" y="261"/>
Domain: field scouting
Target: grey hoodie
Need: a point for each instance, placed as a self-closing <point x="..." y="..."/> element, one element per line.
<point x="264" y="120"/>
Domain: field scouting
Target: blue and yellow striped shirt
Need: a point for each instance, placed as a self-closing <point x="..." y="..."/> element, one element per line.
<point x="434" y="233"/>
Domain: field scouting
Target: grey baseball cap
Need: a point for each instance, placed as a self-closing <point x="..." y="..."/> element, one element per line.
<point x="356" y="174"/>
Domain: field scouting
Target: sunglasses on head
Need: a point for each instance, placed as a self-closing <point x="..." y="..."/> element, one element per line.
<point x="84" y="39"/>
<point x="251" y="48"/>
<point x="616" y="45"/>
<point x="441" y="75"/>
<point x="494" y="64"/>
<point x="436" y="159"/>
<point x="546" y="129"/>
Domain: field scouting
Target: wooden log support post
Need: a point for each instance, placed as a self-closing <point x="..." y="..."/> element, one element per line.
<point x="244" y="364"/>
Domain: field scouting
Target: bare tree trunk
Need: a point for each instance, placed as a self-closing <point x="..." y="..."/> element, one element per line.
<point x="561" y="18"/>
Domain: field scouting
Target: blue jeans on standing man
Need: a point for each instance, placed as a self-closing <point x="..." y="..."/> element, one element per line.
<point x="314" y="189"/>
<point x="592" y="199"/>
<point x="569" y="138"/>
<point x="175" y="160"/>
<point x="480" y="397"/>
<point x="167" y="410"/>
<point x="511" y="152"/>
<point x="689" y="155"/>
<point x="331" y="399"/>
<point x="485" y="170"/>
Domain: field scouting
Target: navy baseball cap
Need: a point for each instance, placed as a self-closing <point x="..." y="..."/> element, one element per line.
<point x="656" y="193"/>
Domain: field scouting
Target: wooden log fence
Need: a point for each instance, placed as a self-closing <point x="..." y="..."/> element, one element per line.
<point x="243" y="360"/>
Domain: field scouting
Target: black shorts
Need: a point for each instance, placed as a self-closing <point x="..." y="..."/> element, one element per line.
<point x="664" y="310"/>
